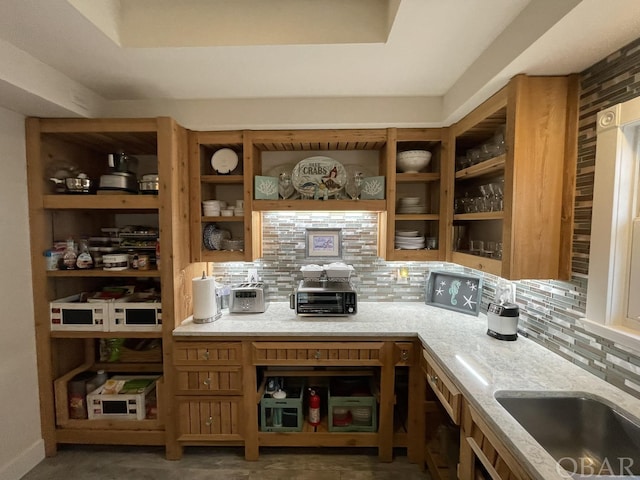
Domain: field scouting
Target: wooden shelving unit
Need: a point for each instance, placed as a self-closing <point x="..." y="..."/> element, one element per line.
<point x="62" y="354"/>
<point x="206" y="184"/>
<point x="539" y="115"/>
<point x="426" y="185"/>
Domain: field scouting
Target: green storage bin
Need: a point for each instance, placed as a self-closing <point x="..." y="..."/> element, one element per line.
<point x="288" y="410"/>
<point x="359" y="401"/>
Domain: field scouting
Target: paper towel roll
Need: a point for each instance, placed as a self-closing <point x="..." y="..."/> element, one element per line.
<point x="205" y="306"/>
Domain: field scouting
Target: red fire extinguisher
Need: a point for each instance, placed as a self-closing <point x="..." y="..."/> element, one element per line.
<point x="314" y="408"/>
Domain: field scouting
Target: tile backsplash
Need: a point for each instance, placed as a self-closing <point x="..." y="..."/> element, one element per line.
<point x="548" y="309"/>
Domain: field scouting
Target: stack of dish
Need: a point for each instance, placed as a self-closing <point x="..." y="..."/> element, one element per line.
<point x="212" y="237"/>
<point x="211" y="208"/>
<point x="410" y="205"/>
<point x="409" y="240"/>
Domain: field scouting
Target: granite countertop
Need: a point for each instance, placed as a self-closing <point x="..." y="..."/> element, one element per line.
<point x="478" y="364"/>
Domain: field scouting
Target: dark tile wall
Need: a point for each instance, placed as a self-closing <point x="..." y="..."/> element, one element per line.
<point x="549" y="309"/>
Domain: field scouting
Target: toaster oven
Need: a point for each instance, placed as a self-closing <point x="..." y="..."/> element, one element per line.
<point x="324" y="298"/>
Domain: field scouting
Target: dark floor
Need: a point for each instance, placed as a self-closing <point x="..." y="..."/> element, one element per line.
<point x="211" y="463"/>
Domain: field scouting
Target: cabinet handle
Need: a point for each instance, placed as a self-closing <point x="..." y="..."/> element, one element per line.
<point x="205" y="355"/>
<point x="209" y="422"/>
<point x="433" y="378"/>
<point x="404" y="355"/>
<point x="206" y="381"/>
<point x="317" y="355"/>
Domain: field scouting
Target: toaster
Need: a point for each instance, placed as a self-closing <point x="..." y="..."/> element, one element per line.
<point x="248" y="298"/>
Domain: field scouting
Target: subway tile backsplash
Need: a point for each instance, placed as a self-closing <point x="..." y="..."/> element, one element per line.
<point x="548" y="309"/>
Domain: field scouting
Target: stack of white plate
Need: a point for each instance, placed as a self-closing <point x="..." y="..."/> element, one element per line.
<point x="410" y="205"/>
<point x="409" y="240"/>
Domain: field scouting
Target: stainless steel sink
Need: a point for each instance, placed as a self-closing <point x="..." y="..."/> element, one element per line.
<point x="584" y="435"/>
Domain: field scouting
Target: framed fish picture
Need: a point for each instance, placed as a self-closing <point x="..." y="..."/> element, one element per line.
<point x="454" y="291"/>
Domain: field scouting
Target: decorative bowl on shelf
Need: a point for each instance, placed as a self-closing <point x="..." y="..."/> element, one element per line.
<point x="412" y="161"/>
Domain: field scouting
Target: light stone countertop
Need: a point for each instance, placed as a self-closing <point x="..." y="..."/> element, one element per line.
<point x="478" y="364"/>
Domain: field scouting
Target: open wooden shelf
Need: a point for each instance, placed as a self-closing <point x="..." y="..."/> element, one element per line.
<point x="222" y="256"/>
<point x="488" y="167"/>
<point x="98" y="272"/>
<point x="479" y="216"/>
<point x="101" y="202"/>
<point x="223" y="179"/>
<point x="417" y="216"/>
<point x="233" y="218"/>
<point x="129" y="334"/>
<point x="417" y="177"/>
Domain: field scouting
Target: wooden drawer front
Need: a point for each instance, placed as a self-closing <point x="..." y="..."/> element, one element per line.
<point x="208" y="353"/>
<point x="317" y="353"/>
<point x="215" y="418"/>
<point x="443" y="387"/>
<point x="493" y="455"/>
<point x="224" y="380"/>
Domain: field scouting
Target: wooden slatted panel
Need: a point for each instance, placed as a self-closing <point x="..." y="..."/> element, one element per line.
<point x="492" y="455"/>
<point x="225" y="380"/>
<point x="210" y="417"/>
<point x="203" y="353"/>
<point x="328" y="146"/>
<point x="304" y="140"/>
<point x="444" y="389"/>
<point x="329" y="353"/>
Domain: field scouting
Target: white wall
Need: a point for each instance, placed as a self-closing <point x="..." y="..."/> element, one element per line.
<point x="21" y="446"/>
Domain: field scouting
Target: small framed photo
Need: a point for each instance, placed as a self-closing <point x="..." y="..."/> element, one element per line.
<point x="324" y="242"/>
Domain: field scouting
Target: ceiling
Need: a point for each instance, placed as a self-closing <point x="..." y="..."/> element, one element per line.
<point x="455" y="51"/>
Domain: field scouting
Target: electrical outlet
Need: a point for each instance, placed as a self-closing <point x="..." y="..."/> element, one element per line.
<point x="252" y="275"/>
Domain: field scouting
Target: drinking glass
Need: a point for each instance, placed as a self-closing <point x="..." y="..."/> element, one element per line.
<point x="353" y="188"/>
<point x="285" y="187"/>
<point x="490" y="248"/>
<point x="476" y="247"/>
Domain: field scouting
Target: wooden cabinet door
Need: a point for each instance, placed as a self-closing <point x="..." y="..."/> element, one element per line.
<point x="480" y="444"/>
<point x="202" y="419"/>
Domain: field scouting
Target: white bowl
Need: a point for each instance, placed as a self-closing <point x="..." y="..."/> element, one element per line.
<point x="406" y="233"/>
<point x="412" y="161"/>
<point x="410" y="200"/>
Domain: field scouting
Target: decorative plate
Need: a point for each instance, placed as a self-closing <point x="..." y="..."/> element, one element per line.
<point x="224" y="160"/>
<point x="318" y="177"/>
